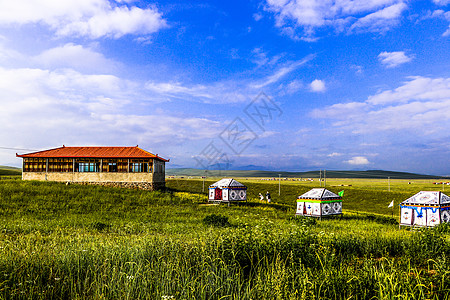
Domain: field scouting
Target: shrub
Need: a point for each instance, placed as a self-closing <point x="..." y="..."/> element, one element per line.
<point x="216" y="220"/>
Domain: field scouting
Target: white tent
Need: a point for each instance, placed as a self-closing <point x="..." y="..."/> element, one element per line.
<point x="227" y="190"/>
<point x="319" y="202"/>
<point x="425" y="209"/>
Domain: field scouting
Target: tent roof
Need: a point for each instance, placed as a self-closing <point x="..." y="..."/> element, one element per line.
<point x="427" y="198"/>
<point x="319" y="193"/>
<point x="227" y="182"/>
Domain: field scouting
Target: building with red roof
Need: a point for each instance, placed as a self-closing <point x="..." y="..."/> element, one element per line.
<point x="124" y="165"/>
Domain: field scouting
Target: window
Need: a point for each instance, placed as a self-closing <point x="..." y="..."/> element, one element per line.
<point x="138" y="167"/>
<point x="112" y="167"/>
<point x="87" y="166"/>
<point x="34" y="165"/>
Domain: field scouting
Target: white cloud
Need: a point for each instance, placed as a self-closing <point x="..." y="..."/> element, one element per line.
<point x="358" y="161"/>
<point x="342" y="110"/>
<point x="447" y="32"/>
<point x="416" y="89"/>
<point x="74" y="57"/>
<point x="42" y="108"/>
<point x="420" y="106"/>
<point x="442" y="2"/>
<point x="375" y="15"/>
<point x="116" y="23"/>
<point x="317" y="85"/>
<point x="90" y="18"/>
<point x="393" y="59"/>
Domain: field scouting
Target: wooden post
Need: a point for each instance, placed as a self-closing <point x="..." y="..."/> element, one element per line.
<point x="279" y="184"/>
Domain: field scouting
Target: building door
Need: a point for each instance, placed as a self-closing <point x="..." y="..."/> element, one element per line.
<point x="218" y="194"/>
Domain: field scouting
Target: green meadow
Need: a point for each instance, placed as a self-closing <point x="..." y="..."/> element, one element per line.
<point x="61" y="241"/>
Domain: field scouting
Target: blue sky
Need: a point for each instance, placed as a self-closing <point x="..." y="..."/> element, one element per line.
<point x="343" y="85"/>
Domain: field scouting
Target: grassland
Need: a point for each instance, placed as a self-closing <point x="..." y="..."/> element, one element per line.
<point x="9" y="171"/>
<point x="62" y="241"/>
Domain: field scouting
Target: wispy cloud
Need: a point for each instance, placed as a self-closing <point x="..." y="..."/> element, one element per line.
<point x="381" y="20"/>
<point x="346" y="15"/>
<point x="419" y="106"/>
<point x="393" y="59"/>
<point x="281" y="72"/>
<point x="442" y="2"/>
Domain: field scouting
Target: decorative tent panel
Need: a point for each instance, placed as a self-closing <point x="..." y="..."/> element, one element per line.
<point x="432" y="217"/>
<point x="337" y="207"/>
<point x="445" y="216"/>
<point x="444" y="198"/>
<point x="407" y="216"/>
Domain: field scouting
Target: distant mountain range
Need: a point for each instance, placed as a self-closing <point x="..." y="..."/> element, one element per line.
<point x="309" y="174"/>
<point x="5" y="170"/>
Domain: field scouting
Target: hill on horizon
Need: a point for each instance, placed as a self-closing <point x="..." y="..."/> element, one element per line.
<point x="307" y="174"/>
<point x="5" y="170"/>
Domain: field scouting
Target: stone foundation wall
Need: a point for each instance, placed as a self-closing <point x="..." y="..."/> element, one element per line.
<point x="92" y="177"/>
<point x="148" y="186"/>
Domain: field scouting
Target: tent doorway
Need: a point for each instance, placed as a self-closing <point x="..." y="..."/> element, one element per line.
<point x="218" y="194"/>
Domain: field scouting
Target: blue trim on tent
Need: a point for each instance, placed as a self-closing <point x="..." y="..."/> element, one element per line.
<point x="419" y="214"/>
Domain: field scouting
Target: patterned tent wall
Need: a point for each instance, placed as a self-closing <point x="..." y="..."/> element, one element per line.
<point x="227" y="190"/>
<point x="319" y="202"/>
<point x="426" y="209"/>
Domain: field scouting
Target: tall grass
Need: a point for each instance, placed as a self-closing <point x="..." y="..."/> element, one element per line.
<point x="91" y="242"/>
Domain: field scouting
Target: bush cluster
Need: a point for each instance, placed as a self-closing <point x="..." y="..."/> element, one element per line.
<point x="216" y="220"/>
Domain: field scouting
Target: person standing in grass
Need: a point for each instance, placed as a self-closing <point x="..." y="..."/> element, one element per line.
<point x="261" y="197"/>
<point x="268" y="197"/>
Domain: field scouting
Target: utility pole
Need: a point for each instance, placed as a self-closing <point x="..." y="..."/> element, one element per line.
<point x="279" y="184"/>
<point x="320" y="178"/>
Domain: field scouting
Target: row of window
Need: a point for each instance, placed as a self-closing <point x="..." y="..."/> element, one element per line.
<point x="87" y="165"/>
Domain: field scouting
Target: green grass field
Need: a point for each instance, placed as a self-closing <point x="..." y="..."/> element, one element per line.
<point x="62" y="241"/>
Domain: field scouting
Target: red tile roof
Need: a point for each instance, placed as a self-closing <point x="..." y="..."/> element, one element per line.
<point x="93" y="152"/>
